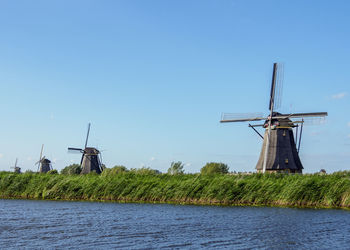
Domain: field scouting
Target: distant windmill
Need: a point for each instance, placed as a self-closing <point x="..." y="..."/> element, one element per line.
<point x="90" y="160"/>
<point x="279" y="152"/>
<point x="44" y="165"/>
<point x="16" y="168"/>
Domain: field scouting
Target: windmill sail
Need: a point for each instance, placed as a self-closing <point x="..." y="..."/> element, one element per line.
<point x="276" y="87"/>
<point x="40" y="158"/>
<point x="87" y="136"/>
<point x="241" y="117"/>
<point x="273" y="84"/>
<point x="299" y="115"/>
<point x="73" y="149"/>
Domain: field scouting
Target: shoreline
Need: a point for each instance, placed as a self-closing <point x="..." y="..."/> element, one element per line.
<point x="184" y="203"/>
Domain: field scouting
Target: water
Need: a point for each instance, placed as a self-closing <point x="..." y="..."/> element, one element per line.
<point x="93" y="225"/>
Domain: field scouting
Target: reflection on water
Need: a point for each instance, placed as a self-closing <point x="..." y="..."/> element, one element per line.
<point x="93" y="225"/>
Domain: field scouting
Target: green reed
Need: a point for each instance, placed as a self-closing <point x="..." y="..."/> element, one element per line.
<point x="312" y="190"/>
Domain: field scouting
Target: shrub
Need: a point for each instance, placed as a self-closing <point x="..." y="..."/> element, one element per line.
<point x="145" y="171"/>
<point x="53" y="171"/>
<point x="214" y="168"/>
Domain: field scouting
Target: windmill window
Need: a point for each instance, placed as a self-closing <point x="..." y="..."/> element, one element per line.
<point x="286" y="160"/>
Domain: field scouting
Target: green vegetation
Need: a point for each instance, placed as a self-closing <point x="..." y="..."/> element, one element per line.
<point x="144" y="171"/>
<point x="71" y="169"/>
<point x="115" y="170"/>
<point x="316" y="190"/>
<point x="176" y="168"/>
<point x="53" y="171"/>
<point x="214" y="168"/>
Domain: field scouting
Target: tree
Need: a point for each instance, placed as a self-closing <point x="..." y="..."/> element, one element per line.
<point x="176" y="168"/>
<point x="115" y="170"/>
<point x="214" y="168"/>
<point x="71" y="169"/>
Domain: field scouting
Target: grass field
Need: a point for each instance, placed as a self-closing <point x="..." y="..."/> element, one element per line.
<point x="315" y="190"/>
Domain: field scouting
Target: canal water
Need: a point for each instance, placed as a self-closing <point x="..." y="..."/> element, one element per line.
<point x="96" y="225"/>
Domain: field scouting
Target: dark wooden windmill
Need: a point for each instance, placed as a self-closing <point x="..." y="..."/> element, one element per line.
<point x="279" y="151"/>
<point x="91" y="158"/>
<point x="16" y="168"/>
<point x="44" y="164"/>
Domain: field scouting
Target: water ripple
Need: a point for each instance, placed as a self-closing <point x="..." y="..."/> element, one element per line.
<point x="89" y="225"/>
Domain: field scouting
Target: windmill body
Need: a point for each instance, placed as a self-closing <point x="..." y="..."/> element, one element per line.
<point x="90" y="160"/>
<point x="17" y="170"/>
<point x="282" y="155"/>
<point x="279" y="152"/>
<point x="45" y="165"/>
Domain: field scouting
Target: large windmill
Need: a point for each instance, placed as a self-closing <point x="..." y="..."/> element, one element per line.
<point x="90" y="160"/>
<point x="279" y="152"/>
<point x="44" y="164"/>
<point x="16" y="168"/>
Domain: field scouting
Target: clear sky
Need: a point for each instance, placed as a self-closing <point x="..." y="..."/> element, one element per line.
<point x="153" y="78"/>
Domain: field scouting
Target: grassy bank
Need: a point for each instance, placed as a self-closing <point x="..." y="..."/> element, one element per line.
<point x="256" y="189"/>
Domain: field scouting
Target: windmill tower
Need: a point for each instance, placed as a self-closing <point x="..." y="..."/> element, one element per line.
<point x="16" y="168"/>
<point x="279" y="151"/>
<point x="90" y="160"/>
<point x="44" y="165"/>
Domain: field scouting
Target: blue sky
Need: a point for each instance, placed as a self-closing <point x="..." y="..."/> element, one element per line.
<point x="153" y="78"/>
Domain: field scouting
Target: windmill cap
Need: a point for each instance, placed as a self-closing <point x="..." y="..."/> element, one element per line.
<point x="90" y="150"/>
<point x="45" y="160"/>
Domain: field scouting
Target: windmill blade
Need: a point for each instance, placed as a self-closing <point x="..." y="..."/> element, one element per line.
<point x="276" y="86"/>
<point x="41" y="153"/>
<point x="241" y="117"/>
<point x="16" y="162"/>
<point x="100" y="161"/>
<point x="273" y="84"/>
<point x="309" y="121"/>
<point x="75" y="150"/>
<point x="87" y="136"/>
<point x="301" y="133"/>
<point x="100" y="158"/>
<point x="82" y="158"/>
<point x="301" y="115"/>
<point x="277" y="100"/>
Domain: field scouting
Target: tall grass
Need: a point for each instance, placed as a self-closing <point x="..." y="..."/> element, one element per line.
<point x="256" y="189"/>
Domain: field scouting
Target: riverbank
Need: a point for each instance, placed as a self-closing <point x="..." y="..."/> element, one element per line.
<point x="320" y="191"/>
